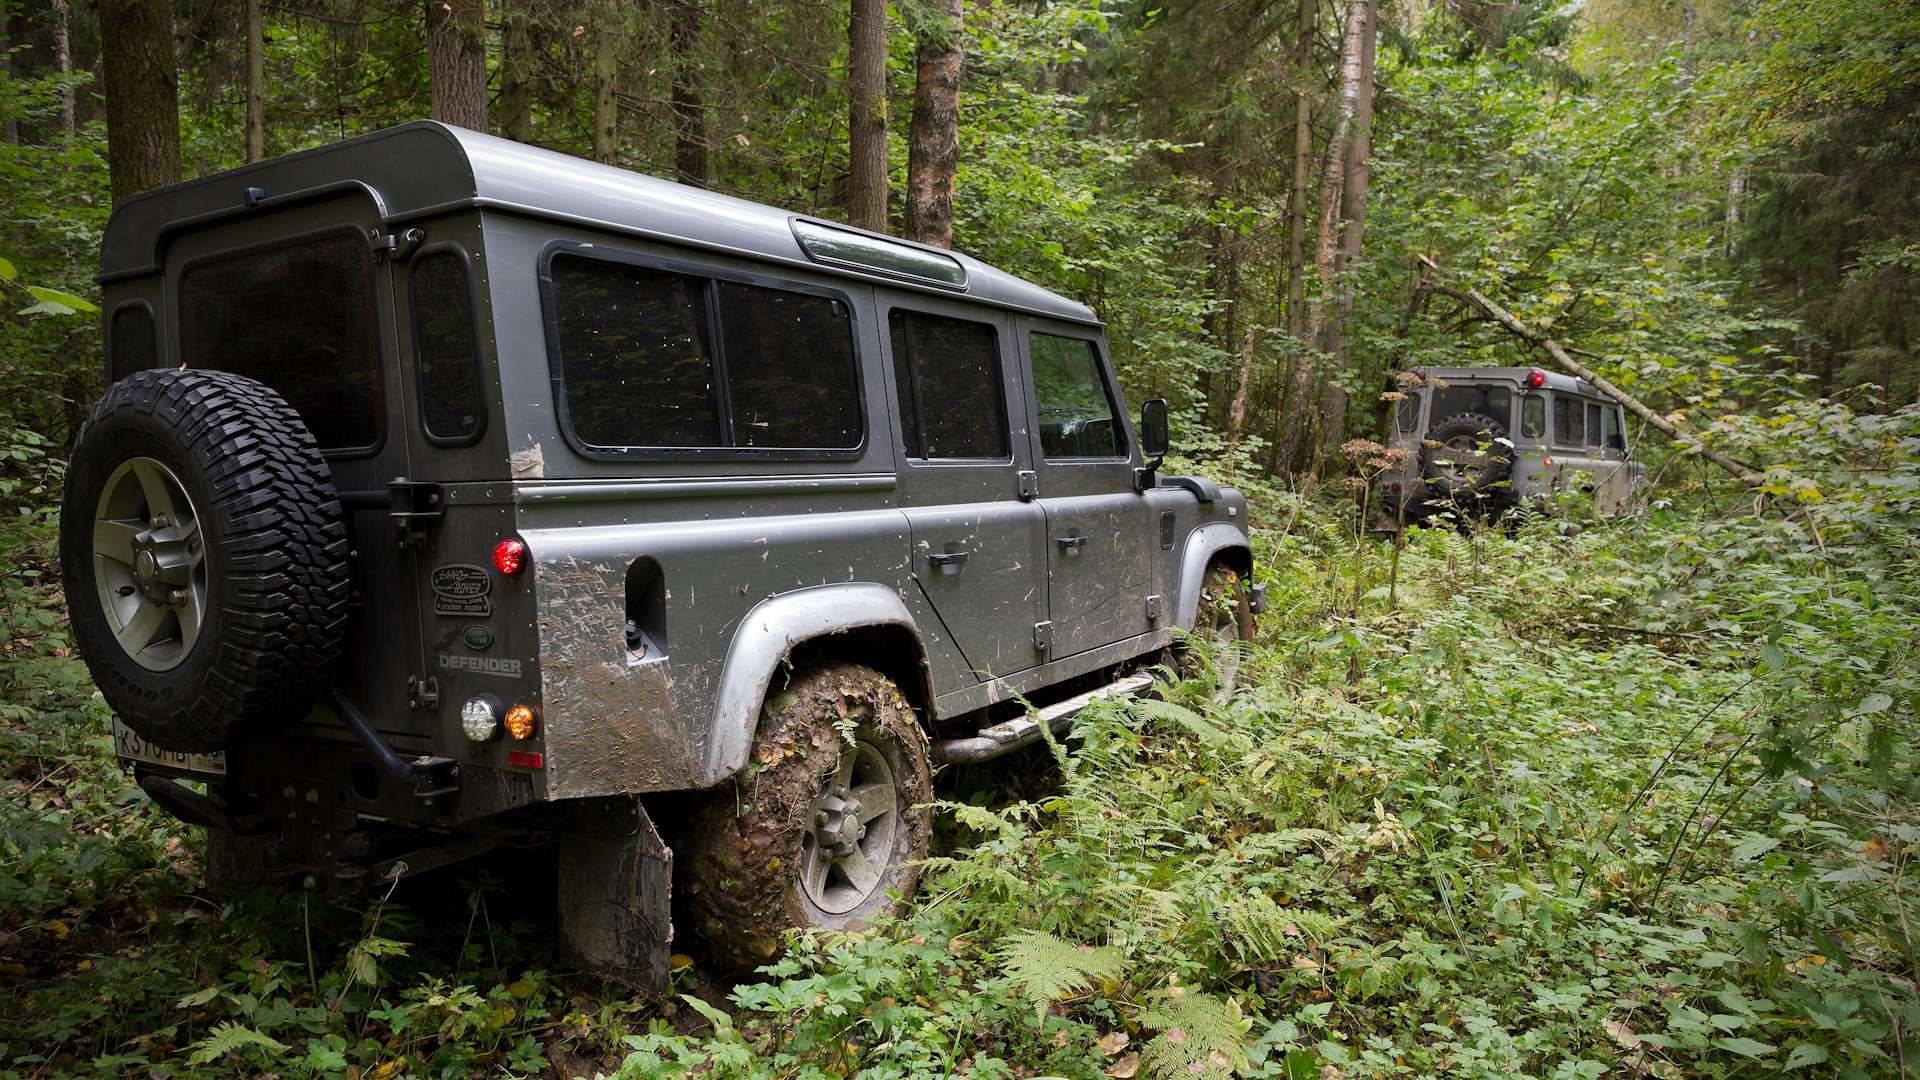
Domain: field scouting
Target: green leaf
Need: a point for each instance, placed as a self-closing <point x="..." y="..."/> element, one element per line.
<point x="1771" y="656"/>
<point x="7" y="271"/>
<point x="1748" y="850"/>
<point x="1873" y="703"/>
<point x="1805" y="1054"/>
<point x="1745" y="1047"/>
<point x="45" y="307"/>
<point x="55" y="296"/>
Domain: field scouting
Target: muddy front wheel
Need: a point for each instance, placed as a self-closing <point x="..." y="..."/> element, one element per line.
<point x="827" y="825"/>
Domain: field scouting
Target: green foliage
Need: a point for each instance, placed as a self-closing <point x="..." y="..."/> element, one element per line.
<point x="1049" y="968"/>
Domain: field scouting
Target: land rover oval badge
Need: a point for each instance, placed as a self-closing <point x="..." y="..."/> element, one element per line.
<point x="461" y="589"/>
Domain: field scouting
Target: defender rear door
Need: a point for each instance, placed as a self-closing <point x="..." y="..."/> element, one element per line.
<point x="301" y="299"/>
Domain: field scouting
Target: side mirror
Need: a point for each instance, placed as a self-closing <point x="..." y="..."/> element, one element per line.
<point x="1153" y="428"/>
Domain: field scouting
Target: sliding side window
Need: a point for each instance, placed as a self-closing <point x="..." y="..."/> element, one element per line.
<point x="952" y="401"/>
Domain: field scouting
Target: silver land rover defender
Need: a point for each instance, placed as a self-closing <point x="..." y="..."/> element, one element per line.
<point x="450" y="493"/>
<point x="1481" y="442"/>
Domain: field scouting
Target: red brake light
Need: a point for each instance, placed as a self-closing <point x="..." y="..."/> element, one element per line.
<point x="1536" y="377"/>
<point x="1549" y="462"/>
<point x="509" y="556"/>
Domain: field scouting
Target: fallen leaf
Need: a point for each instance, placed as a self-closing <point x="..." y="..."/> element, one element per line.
<point x="1112" y="1042"/>
<point x="1124" y="1068"/>
<point x="1622" y="1034"/>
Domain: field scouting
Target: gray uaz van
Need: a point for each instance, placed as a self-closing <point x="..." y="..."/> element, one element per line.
<point x="1482" y="441"/>
<point x="449" y="493"/>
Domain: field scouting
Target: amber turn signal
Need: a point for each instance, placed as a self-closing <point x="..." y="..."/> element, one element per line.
<point x="520" y="721"/>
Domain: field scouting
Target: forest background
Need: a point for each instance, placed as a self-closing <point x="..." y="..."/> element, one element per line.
<point x="1577" y="798"/>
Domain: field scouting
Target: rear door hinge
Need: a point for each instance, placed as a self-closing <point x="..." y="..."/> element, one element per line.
<point x="423" y="690"/>
<point x="1043" y="636"/>
<point x="1029" y="484"/>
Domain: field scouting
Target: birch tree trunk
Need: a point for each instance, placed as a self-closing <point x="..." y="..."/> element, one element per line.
<point x="516" y="71"/>
<point x="1353" y="215"/>
<point x="867" y="114"/>
<point x="933" y="142"/>
<point x="256" y="82"/>
<point x="142" y="89"/>
<point x="457" y="62"/>
<point x="688" y="104"/>
<point x="606" y="74"/>
<point x="63" y="61"/>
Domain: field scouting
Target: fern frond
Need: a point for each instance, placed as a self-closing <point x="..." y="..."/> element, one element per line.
<point x="967" y="874"/>
<point x="1259" y="926"/>
<point x="228" y="1037"/>
<point x="978" y="818"/>
<point x="1182" y="717"/>
<point x="1200" y="1037"/>
<point x="1050" y="968"/>
<point x="1152" y="907"/>
<point x="1269" y="843"/>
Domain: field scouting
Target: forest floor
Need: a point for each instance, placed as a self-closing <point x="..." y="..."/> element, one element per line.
<point x="1573" y="799"/>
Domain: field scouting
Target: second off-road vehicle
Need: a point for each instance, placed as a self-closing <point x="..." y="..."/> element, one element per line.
<point x="449" y="493"/>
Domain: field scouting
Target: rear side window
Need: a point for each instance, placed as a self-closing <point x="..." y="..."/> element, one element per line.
<point x="947" y="372"/>
<point x="1616" y="437"/>
<point x="446" y="345"/>
<point x="300" y="319"/>
<point x="1593" y="424"/>
<point x="651" y="359"/>
<point x="1489" y="401"/>
<point x="1569" y="421"/>
<point x="1406" y="415"/>
<point x="131" y="344"/>
<point x="1533" y="416"/>
<point x="1076" y="405"/>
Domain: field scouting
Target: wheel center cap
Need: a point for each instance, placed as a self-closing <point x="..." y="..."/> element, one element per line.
<point x="836" y="822"/>
<point x="145" y="566"/>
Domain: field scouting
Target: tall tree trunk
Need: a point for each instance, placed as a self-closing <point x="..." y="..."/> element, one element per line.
<point x="10" y="128"/>
<point x="1353" y="214"/>
<point x="256" y="82"/>
<point x="606" y="71"/>
<point x="63" y="61"/>
<point x="516" y="71"/>
<point x="867" y="114"/>
<point x="142" y="94"/>
<point x="933" y="142"/>
<point x="457" y="62"/>
<point x="689" y="108"/>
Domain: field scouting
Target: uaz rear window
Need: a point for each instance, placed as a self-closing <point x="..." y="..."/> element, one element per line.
<point x="651" y="359"/>
<point x="298" y="317"/>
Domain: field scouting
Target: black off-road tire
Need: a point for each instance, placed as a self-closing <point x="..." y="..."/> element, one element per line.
<point x="270" y="582"/>
<point x="1224" y="616"/>
<point x="752" y="838"/>
<point x="1452" y="462"/>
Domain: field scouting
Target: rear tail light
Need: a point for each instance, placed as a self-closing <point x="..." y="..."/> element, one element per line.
<point x="525" y="757"/>
<point x="509" y="556"/>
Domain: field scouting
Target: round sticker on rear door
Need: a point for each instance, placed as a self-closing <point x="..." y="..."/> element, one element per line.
<point x="461" y="589"/>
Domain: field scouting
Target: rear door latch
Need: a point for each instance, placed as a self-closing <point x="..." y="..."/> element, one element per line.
<point x="423" y="690"/>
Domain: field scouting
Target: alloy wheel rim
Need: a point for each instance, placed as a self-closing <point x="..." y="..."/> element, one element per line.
<point x="149" y="564"/>
<point x="1464" y="460"/>
<point x="851" y="827"/>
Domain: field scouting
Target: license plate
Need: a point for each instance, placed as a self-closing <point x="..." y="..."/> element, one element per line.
<point x="129" y="745"/>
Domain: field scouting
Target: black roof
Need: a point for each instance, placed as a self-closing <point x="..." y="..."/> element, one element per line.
<point x="424" y="168"/>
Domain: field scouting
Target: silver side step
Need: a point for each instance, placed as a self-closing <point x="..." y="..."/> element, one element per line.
<point x="1004" y="738"/>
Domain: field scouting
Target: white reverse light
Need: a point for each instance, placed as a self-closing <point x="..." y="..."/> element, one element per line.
<point x="480" y="717"/>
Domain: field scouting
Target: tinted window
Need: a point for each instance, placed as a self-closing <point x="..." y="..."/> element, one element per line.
<point x="445" y="346"/>
<point x="1533" y="416"/>
<point x="1569" y="421"/>
<point x="948" y="375"/>
<point x="1616" y="430"/>
<point x="131" y="337"/>
<point x="300" y="319"/>
<point x="1076" y="411"/>
<point x="791" y="377"/>
<point x="634" y="355"/>
<point x="1593" y="424"/>
<point x="1489" y="401"/>
<point x="1406" y="414"/>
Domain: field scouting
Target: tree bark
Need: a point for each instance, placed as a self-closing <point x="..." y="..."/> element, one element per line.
<point x="1353" y="215"/>
<point x="457" y="62"/>
<point x="142" y="90"/>
<point x="1285" y="450"/>
<point x="689" y="107"/>
<point x="10" y="128"/>
<point x="1237" y="414"/>
<point x="516" y="71"/>
<point x="63" y="61"/>
<point x="256" y="82"/>
<point x="933" y="142"/>
<point x="606" y="73"/>
<point x="1560" y="356"/>
<point x="867" y="114"/>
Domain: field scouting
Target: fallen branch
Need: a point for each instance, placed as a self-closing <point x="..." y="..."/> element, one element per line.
<point x="1505" y="318"/>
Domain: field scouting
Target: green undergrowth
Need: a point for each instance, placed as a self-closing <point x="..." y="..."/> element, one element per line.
<point x="1568" y="799"/>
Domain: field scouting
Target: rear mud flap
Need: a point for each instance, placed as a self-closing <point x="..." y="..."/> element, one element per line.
<point x="616" y="902"/>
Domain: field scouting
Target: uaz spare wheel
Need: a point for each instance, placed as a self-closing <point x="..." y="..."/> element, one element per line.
<point x="204" y="557"/>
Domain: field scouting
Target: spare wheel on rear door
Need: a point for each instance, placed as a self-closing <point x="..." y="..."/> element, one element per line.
<point x="204" y="557"/>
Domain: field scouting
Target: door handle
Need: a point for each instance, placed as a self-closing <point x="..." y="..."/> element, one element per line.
<point x="1071" y="544"/>
<point x="948" y="562"/>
